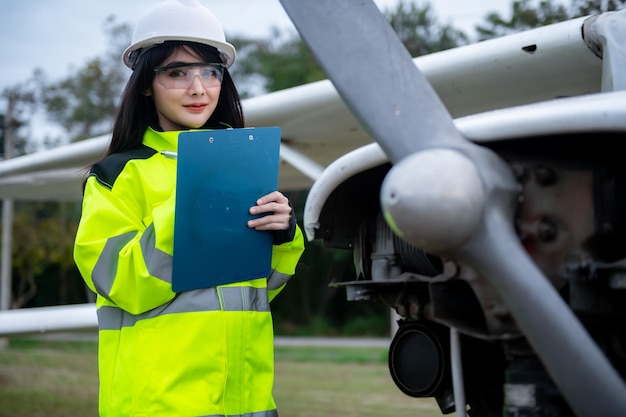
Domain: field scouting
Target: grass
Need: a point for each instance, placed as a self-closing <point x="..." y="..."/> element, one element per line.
<point x="59" y="379"/>
<point x="48" y="379"/>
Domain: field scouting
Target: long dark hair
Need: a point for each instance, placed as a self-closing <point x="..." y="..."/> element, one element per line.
<point x="137" y="112"/>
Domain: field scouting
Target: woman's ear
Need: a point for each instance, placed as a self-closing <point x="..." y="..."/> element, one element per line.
<point x="147" y="93"/>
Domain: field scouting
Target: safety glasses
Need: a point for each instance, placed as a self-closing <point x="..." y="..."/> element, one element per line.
<point x="181" y="75"/>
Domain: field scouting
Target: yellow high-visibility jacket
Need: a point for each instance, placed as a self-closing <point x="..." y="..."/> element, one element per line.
<point x="206" y="352"/>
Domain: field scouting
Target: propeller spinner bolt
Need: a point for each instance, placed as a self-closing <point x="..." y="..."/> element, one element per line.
<point x="433" y="199"/>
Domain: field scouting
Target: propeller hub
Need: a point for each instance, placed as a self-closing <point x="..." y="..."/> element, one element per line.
<point x="433" y="199"/>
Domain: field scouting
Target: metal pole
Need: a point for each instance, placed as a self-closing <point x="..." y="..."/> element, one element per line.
<point x="7" y="215"/>
<point x="458" y="384"/>
<point x="7" y="235"/>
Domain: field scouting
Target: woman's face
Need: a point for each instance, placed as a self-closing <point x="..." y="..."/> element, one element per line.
<point x="184" y="104"/>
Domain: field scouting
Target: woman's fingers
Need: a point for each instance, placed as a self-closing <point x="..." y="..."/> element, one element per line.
<point x="277" y="205"/>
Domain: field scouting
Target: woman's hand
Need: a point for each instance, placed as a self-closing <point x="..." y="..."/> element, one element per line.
<point x="278" y="206"/>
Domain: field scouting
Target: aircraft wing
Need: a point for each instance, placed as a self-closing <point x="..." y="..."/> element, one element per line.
<point x="67" y="318"/>
<point x="317" y="127"/>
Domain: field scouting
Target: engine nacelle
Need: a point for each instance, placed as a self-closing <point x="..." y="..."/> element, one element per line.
<point x="571" y="185"/>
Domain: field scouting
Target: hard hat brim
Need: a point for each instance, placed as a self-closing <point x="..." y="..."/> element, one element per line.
<point x="226" y="49"/>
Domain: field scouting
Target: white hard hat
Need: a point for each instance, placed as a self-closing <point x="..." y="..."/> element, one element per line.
<point x="179" y="20"/>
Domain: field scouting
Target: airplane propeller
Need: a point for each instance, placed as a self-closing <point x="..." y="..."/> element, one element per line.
<point x="448" y="195"/>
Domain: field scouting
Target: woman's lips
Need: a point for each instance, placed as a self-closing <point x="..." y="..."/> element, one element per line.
<point x="196" y="107"/>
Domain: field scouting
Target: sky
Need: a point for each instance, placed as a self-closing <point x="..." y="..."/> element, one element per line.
<point x="60" y="35"/>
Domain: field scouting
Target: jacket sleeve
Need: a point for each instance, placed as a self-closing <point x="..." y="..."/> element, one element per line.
<point x="123" y="249"/>
<point x="285" y="257"/>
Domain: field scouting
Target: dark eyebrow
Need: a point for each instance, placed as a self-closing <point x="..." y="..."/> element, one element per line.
<point x="182" y="64"/>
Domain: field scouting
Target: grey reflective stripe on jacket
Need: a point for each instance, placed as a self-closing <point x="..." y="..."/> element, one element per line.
<point x="269" y="413"/>
<point x="277" y="280"/>
<point x="242" y="298"/>
<point x="159" y="263"/>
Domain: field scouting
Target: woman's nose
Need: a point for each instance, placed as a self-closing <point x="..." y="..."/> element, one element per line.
<point x="196" y="86"/>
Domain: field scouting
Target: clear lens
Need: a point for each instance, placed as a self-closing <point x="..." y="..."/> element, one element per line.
<point x="181" y="76"/>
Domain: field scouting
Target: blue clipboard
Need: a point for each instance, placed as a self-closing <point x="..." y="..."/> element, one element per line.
<point x="219" y="175"/>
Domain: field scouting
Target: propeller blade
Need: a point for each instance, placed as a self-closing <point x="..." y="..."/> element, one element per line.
<point x="421" y="196"/>
<point x="578" y="367"/>
<point x="361" y="53"/>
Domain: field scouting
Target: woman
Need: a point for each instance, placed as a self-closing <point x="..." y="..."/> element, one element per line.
<point x="206" y="352"/>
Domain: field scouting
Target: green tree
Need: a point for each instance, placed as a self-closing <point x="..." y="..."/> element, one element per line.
<point x="84" y="115"/>
<point x="84" y="103"/>
<point x="420" y="31"/>
<point x="43" y="236"/>
<point x="283" y="60"/>
<point x="20" y="101"/>
<point x="526" y="15"/>
<point x="589" y="7"/>
<point x="266" y="65"/>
